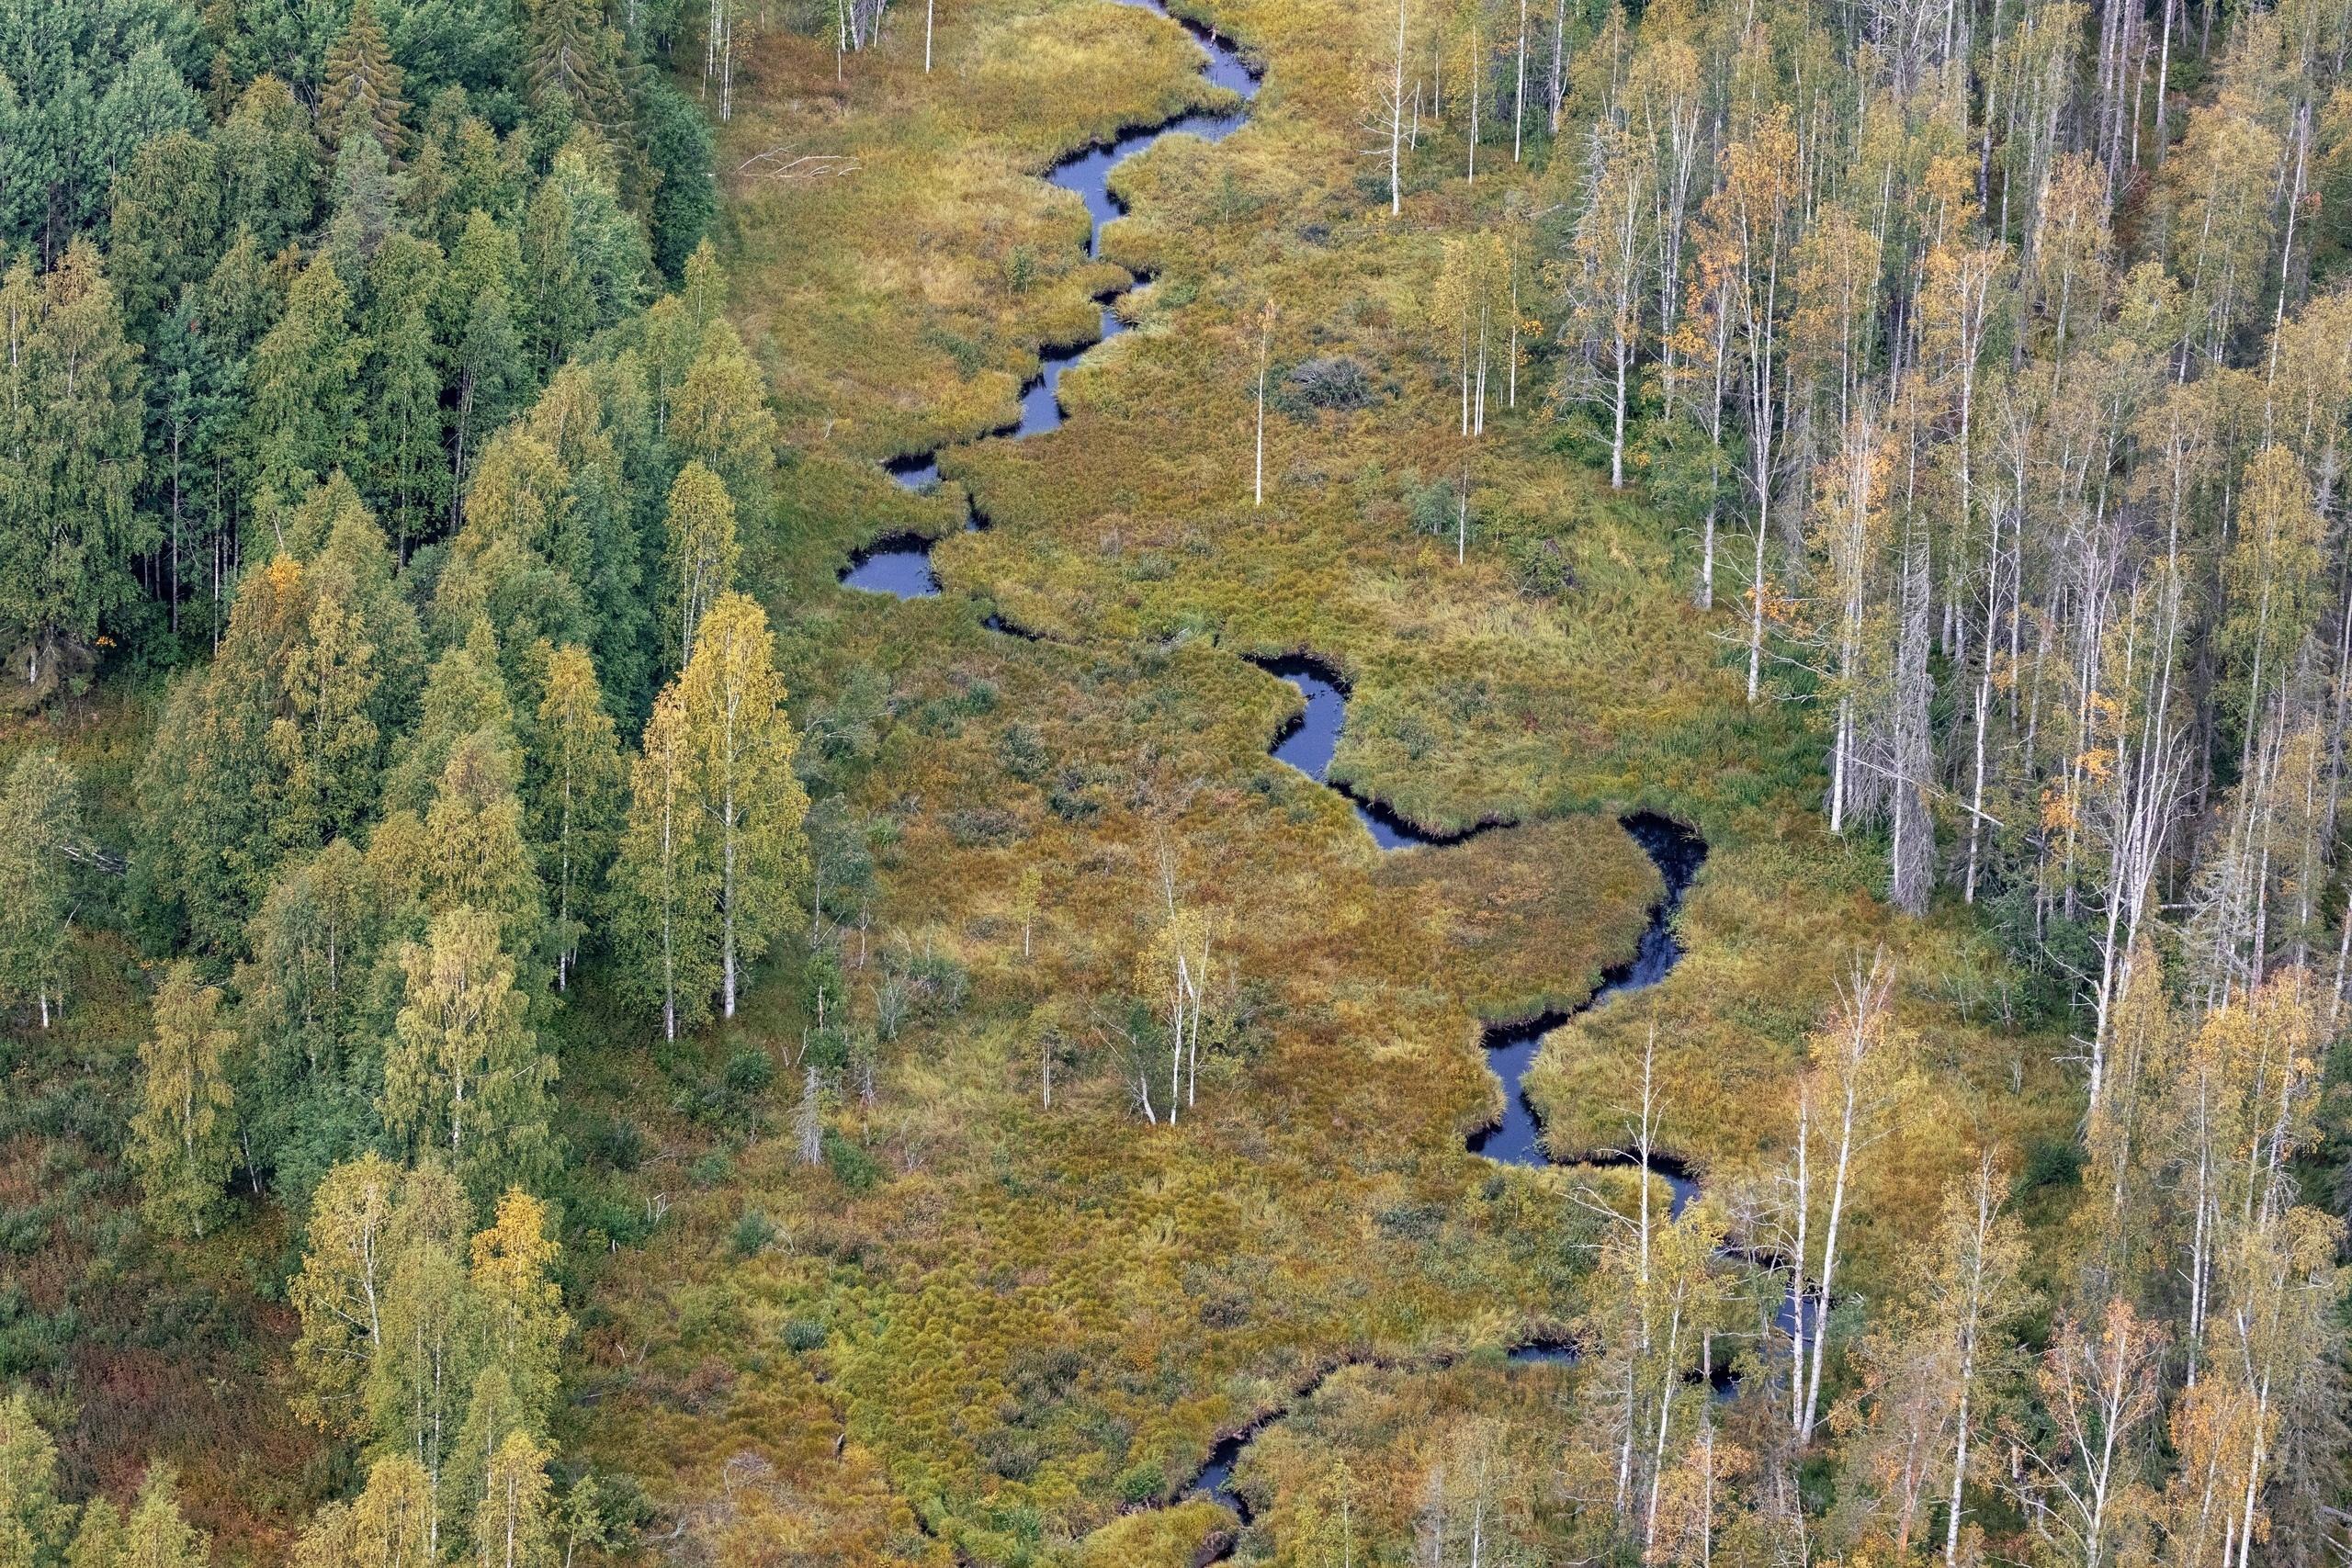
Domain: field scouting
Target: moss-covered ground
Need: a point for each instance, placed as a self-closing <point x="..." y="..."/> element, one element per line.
<point x="987" y="1327"/>
<point x="990" y="1330"/>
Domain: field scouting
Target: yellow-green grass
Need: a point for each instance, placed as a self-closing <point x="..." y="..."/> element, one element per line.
<point x="1036" y="1318"/>
<point x="1315" y="1205"/>
<point x="1032" y="1320"/>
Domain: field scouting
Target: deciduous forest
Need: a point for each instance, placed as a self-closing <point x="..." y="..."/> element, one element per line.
<point x="1021" y="783"/>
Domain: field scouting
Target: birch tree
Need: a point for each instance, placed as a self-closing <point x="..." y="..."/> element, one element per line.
<point x="1855" y="1061"/>
<point x="1747" y="229"/>
<point x="1387" y="107"/>
<point x="41" y="836"/>
<point x="183" y="1137"/>
<point x="665" y="881"/>
<point x="1609" y="282"/>
<point x="465" y="1074"/>
<point x="749" y="805"/>
<point x="575" y="781"/>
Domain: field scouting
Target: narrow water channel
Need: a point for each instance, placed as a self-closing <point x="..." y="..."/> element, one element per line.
<point x="1678" y="852"/>
<point x="1311" y="741"/>
<point x="901" y="565"/>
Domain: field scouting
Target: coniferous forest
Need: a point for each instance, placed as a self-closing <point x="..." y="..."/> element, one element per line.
<point x="1443" y="783"/>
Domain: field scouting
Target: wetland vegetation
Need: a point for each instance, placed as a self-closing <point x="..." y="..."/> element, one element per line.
<point x="1043" y="781"/>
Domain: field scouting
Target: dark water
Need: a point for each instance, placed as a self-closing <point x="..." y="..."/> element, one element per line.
<point x="1510" y="1051"/>
<point x="1309" y="744"/>
<point x="899" y="565"/>
<point x="1215" y="1480"/>
<point x="1677" y="853"/>
<point x="1087" y="176"/>
<point x="1013" y="628"/>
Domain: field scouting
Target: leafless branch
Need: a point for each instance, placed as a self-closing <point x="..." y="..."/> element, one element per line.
<point x="783" y="166"/>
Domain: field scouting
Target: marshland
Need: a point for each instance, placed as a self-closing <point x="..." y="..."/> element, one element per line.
<point x="1053" y="781"/>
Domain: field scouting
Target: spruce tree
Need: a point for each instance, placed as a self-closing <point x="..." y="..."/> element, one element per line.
<point x="573" y="63"/>
<point x="166" y="229"/>
<point x="363" y="83"/>
<point x="585" y="261"/>
<point x="269" y="163"/>
<point x="364" y="210"/>
<point x="408" y="459"/>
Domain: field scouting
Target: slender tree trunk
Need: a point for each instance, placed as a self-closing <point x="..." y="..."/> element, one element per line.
<point x="1396" y="119"/>
<point x="1518" y="92"/>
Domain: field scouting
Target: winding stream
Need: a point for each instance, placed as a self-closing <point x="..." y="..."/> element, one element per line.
<point x="900" y="565"/>
<point x="1309" y="742"/>
<point x="1678" y="852"/>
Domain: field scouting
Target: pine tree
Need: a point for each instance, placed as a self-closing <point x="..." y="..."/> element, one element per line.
<point x="574" y="779"/>
<point x="184" y="1136"/>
